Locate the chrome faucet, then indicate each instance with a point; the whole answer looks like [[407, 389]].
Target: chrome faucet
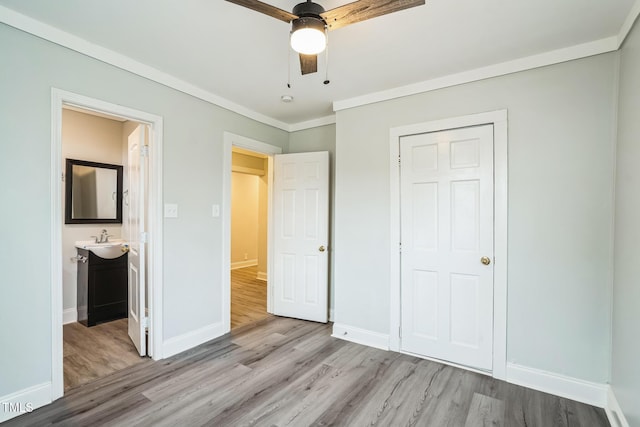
[[104, 237]]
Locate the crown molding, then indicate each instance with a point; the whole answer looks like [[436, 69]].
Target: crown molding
[[70, 41], [628, 23], [314, 123], [527, 63]]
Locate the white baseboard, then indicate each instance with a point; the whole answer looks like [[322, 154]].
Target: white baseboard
[[614, 411], [360, 336], [242, 264], [192, 339], [25, 400], [69, 315], [262, 276], [571, 388]]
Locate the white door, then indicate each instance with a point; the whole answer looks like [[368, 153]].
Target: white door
[[446, 204], [300, 228], [135, 199]]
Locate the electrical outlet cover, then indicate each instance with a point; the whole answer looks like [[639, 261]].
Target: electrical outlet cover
[[170, 210]]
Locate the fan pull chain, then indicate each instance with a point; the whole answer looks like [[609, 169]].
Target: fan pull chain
[[288, 66], [326, 58]]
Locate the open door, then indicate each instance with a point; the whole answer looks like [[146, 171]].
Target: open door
[[300, 235], [135, 202]]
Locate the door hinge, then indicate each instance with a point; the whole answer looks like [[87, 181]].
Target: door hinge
[[145, 322], [144, 152], [144, 237], [400, 331], [399, 160], [400, 247]]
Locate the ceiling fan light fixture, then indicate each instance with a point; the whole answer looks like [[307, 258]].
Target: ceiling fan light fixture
[[308, 36]]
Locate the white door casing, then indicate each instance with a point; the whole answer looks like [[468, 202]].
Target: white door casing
[[135, 205], [59, 99], [446, 205], [232, 140], [301, 218]]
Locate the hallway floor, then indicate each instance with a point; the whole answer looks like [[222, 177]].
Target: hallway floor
[[248, 297]]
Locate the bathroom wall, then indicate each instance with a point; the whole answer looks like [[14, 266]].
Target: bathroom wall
[[96, 139], [244, 219]]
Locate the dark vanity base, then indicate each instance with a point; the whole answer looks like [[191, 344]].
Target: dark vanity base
[[102, 288]]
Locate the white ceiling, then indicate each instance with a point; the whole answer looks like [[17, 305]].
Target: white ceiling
[[242, 55]]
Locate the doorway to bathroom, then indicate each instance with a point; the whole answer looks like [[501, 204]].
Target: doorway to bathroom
[[109, 278], [101, 260]]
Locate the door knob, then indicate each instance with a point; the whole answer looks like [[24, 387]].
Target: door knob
[[321, 248], [485, 260]]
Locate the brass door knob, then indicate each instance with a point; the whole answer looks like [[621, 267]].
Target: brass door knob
[[485, 260], [322, 248]]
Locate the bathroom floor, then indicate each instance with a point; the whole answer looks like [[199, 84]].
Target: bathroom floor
[[92, 353], [248, 297]]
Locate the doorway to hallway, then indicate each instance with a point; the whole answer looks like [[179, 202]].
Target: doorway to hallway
[[249, 249]]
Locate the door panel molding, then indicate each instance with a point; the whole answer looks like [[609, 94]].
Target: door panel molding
[[499, 120], [300, 237], [136, 225]]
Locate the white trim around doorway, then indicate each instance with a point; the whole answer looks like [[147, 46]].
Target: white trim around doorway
[[59, 99], [499, 121], [232, 140]]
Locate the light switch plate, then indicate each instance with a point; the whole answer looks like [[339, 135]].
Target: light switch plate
[[170, 210], [215, 211]]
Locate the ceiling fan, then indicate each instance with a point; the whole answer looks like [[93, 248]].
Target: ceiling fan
[[310, 22]]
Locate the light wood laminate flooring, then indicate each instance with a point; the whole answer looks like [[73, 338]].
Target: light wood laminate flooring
[[248, 297], [95, 352], [287, 372]]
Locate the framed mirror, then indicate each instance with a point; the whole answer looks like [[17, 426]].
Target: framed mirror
[[93, 193]]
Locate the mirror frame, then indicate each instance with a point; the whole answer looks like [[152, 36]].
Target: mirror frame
[[68, 210]]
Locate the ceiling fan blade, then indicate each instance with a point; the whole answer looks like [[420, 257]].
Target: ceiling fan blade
[[362, 10], [308, 64], [267, 9]]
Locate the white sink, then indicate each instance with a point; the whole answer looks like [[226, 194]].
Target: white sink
[[90, 244], [113, 249]]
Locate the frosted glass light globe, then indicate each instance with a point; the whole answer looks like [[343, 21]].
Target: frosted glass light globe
[[308, 41]]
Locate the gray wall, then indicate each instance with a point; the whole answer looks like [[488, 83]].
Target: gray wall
[[193, 135], [561, 127], [625, 375], [321, 138]]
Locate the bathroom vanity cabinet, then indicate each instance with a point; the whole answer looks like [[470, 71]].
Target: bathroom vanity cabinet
[[102, 288]]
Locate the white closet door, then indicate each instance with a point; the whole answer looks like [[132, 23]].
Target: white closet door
[[447, 245]]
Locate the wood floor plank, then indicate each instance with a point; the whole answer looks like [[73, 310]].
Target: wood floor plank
[[485, 411], [302, 397], [93, 352], [287, 372]]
